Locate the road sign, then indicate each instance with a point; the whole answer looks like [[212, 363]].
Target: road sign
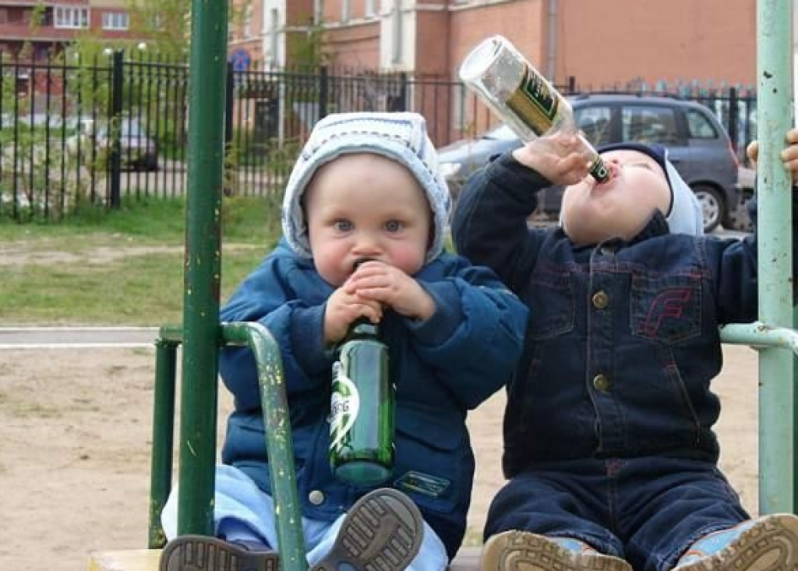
[[240, 59]]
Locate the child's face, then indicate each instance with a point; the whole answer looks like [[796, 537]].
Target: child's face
[[366, 206], [620, 208]]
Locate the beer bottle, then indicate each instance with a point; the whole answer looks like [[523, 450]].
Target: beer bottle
[[362, 408], [524, 100]]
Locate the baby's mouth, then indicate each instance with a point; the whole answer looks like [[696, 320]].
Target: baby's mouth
[[360, 261], [614, 171]]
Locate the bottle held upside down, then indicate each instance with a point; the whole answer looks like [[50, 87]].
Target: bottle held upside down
[[524, 100]]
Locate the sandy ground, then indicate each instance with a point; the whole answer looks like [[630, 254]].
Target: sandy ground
[[74, 454]]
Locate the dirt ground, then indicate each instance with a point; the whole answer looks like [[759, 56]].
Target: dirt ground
[[74, 454]]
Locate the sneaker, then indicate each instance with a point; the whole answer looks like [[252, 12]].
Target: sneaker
[[769, 543], [382, 531], [524, 551], [204, 553]]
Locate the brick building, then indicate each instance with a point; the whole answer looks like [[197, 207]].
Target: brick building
[[599, 42], [49, 25]]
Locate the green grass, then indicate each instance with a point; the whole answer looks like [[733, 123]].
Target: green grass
[[120, 268]]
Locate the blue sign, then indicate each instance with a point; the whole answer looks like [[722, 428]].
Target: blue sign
[[240, 59]]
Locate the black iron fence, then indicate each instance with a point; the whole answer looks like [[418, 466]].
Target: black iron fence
[[76, 133]]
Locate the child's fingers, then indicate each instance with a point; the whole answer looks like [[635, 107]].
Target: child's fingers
[[792, 167], [752, 150]]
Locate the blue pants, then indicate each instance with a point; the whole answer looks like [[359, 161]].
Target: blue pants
[[242, 511], [647, 511]]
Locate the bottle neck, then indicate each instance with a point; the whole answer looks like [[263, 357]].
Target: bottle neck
[[362, 327]]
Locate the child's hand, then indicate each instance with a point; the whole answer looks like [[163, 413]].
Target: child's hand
[[789, 155], [378, 282], [559, 158], [343, 307]]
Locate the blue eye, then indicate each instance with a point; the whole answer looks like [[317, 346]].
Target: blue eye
[[343, 225], [394, 225]]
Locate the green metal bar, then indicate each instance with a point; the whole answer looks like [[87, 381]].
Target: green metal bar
[[162, 436], [202, 265], [279, 443], [758, 335], [795, 420], [774, 92]]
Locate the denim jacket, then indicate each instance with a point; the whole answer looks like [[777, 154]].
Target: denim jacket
[[623, 337], [442, 368]]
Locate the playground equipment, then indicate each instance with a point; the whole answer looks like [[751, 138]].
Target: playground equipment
[[201, 330]]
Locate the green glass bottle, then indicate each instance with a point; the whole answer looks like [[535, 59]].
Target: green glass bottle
[[362, 408]]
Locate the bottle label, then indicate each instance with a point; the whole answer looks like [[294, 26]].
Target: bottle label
[[534, 103], [344, 407]]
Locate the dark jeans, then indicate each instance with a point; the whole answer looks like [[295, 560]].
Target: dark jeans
[[645, 510]]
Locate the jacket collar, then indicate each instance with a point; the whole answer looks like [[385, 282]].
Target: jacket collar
[[656, 226]]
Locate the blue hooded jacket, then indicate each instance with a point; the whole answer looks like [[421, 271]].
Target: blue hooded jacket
[[442, 368], [623, 336]]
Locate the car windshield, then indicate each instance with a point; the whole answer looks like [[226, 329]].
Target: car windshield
[[132, 129], [500, 133], [127, 129]]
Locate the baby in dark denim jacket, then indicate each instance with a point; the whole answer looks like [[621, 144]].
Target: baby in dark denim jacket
[[608, 441]]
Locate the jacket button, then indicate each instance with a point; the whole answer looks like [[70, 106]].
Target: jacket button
[[601, 383], [316, 497], [600, 300]]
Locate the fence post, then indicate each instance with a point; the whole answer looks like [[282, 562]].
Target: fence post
[[324, 91], [228, 129], [734, 118], [403, 91], [115, 127]]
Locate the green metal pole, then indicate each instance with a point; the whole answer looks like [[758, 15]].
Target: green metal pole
[[201, 331], [162, 436], [774, 73], [279, 443]]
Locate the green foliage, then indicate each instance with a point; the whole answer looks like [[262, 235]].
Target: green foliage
[[307, 51], [121, 267]]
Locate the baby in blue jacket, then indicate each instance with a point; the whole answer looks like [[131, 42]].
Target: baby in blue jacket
[[366, 187]]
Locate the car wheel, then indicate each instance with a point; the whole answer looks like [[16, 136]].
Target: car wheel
[[712, 206]]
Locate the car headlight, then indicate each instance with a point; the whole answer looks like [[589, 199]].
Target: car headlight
[[449, 170]]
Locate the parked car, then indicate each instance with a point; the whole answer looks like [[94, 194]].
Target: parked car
[[138, 150], [698, 145]]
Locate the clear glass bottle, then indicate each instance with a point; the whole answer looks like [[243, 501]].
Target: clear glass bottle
[[523, 99], [362, 408]]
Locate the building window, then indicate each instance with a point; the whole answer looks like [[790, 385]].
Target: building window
[[116, 21], [371, 9], [318, 11], [248, 22], [71, 17], [346, 10], [275, 28], [458, 106]]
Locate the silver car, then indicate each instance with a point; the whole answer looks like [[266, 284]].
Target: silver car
[[698, 146], [138, 151]]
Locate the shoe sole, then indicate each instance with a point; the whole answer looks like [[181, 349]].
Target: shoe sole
[[381, 532], [203, 553], [770, 545], [523, 551]]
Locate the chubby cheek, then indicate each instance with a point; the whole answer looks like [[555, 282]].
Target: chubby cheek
[[407, 257], [330, 261]]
